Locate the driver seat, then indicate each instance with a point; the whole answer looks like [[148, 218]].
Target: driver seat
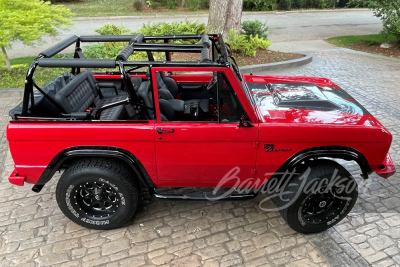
[[168, 90]]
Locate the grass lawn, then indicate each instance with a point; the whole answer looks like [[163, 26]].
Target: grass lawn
[[367, 43], [16, 78], [360, 39], [101, 8]]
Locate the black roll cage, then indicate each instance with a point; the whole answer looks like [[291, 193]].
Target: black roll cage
[[219, 51]]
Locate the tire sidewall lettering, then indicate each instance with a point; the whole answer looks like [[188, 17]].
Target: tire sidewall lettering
[[68, 196]]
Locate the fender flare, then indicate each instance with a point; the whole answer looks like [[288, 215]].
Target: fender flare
[[77, 152], [337, 152]]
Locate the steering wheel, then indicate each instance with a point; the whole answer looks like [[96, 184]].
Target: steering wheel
[[213, 82]]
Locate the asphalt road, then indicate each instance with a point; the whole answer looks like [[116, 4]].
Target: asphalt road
[[283, 27]]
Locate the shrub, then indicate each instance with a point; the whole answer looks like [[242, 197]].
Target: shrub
[[259, 5], [297, 4], [108, 49], [357, 3], [137, 5], [204, 4], [329, 3], [284, 4], [255, 27], [171, 4], [155, 5], [163, 28], [192, 4], [241, 44], [110, 29]]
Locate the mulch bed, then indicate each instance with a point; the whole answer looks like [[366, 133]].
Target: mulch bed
[[263, 56], [390, 52]]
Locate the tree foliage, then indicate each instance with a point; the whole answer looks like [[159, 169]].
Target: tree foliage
[[29, 21]]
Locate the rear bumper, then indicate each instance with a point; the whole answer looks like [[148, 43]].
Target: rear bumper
[[388, 168], [16, 179]]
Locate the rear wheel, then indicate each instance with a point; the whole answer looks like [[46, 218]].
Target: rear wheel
[[318, 198], [98, 194]]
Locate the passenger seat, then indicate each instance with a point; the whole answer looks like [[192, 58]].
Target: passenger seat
[[168, 90], [145, 93], [82, 94]]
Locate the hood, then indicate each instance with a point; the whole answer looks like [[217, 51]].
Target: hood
[[307, 103]]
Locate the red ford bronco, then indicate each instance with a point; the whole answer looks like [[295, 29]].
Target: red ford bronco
[[189, 130]]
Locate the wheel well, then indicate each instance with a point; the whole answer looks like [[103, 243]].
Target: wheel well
[[68, 156], [70, 161], [327, 152]]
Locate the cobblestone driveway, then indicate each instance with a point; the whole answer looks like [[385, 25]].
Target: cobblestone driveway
[[35, 233]]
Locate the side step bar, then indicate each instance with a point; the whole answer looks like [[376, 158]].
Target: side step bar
[[199, 194], [232, 197]]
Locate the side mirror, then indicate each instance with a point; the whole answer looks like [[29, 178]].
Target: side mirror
[[245, 123]]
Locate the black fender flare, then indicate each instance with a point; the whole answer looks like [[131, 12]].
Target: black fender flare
[[337, 152], [77, 152]]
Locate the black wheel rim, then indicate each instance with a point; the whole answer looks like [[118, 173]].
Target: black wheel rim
[[96, 200], [323, 207]]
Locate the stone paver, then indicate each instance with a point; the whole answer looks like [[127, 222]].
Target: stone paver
[[371, 233], [34, 232]]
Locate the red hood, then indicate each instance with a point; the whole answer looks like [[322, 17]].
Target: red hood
[[305, 100]]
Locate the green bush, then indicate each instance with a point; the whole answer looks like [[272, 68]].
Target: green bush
[[110, 29], [284, 4], [163, 28], [137, 5], [268, 5], [297, 4], [192, 4], [357, 3], [155, 5], [171, 4], [243, 45], [204, 4], [108, 49], [255, 27], [259, 5]]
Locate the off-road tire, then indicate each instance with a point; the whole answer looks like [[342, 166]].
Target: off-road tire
[[90, 180], [294, 214]]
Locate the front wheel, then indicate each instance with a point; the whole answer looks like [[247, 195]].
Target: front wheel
[[318, 198], [98, 194]]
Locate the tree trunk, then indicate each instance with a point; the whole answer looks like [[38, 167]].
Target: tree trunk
[[183, 3], [225, 15], [7, 59]]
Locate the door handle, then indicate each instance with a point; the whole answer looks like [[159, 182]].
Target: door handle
[[160, 131]]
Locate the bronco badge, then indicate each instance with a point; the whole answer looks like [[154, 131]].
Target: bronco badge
[[271, 148]]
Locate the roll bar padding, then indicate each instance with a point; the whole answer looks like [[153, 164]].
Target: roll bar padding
[[49, 52], [205, 52], [76, 63], [125, 53], [137, 39]]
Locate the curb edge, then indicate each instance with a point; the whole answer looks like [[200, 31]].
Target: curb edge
[[278, 65]]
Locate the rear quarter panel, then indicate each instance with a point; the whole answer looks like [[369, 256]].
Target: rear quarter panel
[[34, 145]]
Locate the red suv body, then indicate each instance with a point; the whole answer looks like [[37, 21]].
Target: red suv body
[[284, 122]]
